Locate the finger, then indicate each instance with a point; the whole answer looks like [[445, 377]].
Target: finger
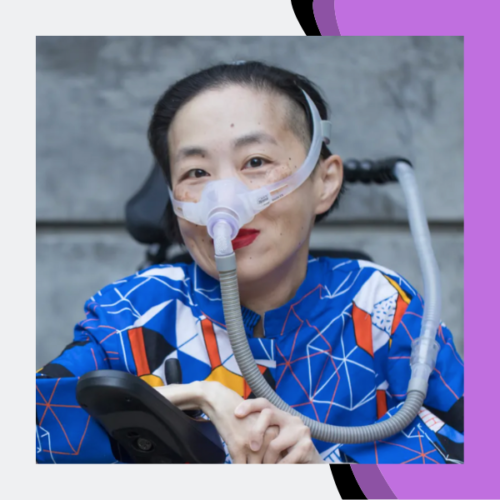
[[296, 455], [257, 457], [256, 435], [239, 458], [272, 433], [285, 440], [252, 406], [304, 452]]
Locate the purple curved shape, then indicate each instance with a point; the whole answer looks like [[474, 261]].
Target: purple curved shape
[[324, 13], [477, 477], [371, 481]]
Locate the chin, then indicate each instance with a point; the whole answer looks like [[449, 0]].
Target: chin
[[252, 266]]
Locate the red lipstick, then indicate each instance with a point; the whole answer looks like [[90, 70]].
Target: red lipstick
[[244, 238]]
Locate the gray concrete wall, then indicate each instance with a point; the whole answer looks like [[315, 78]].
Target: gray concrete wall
[[94, 98]]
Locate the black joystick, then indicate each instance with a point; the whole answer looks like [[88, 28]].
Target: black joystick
[[144, 426]]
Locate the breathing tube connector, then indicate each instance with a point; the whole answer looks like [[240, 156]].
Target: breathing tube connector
[[424, 349]]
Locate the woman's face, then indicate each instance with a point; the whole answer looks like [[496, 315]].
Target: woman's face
[[241, 132]]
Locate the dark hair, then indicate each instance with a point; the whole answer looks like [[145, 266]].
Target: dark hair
[[251, 74]]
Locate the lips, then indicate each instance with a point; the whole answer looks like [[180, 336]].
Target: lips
[[244, 238]]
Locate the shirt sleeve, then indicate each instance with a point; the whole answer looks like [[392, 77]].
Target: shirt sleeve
[[437, 433], [65, 433]]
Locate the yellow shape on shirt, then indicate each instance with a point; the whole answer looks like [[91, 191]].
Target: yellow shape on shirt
[[228, 379]]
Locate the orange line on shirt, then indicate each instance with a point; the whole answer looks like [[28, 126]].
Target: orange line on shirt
[[59, 452], [440, 332], [414, 314], [48, 402], [300, 384], [319, 378], [294, 340], [300, 404], [44, 413], [281, 376], [95, 361], [62, 427], [421, 447], [87, 320], [81, 440], [40, 392], [442, 379], [58, 406], [400, 445], [213, 320], [422, 456], [53, 390], [105, 338], [298, 302], [404, 326], [454, 354], [211, 342], [317, 353], [136, 338], [335, 390], [321, 335]]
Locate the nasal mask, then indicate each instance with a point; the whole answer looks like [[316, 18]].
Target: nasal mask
[[228, 204]]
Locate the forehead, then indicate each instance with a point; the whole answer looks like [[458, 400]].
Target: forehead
[[220, 115]]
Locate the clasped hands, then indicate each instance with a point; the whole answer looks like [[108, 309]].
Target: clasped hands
[[254, 430]]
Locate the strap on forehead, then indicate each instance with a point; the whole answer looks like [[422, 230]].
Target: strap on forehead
[[326, 126]]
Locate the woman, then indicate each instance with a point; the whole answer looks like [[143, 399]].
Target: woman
[[333, 337]]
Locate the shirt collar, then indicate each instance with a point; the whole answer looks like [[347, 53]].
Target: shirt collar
[[277, 322], [208, 297]]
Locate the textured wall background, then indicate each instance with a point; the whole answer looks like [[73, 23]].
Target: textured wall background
[[95, 95]]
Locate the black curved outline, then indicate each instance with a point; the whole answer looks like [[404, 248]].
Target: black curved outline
[[303, 10], [346, 482]]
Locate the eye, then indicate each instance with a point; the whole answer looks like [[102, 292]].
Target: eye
[[256, 162], [196, 173]]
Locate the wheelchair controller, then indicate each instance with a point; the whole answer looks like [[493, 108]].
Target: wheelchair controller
[[143, 426]]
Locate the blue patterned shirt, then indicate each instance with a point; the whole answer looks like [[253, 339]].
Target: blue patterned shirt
[[338, 352]]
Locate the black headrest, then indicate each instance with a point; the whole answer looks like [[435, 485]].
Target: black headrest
[[144, 211]]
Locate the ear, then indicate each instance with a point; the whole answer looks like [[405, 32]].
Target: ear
[[329, 175]]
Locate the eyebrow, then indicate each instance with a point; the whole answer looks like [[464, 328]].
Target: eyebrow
[[254, 138], [245, 140], [189, 152]]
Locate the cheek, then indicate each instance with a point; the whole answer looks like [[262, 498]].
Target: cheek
[[182, 193], [192, 232], [288, 219], [199, 245], [195, 237], [278, 173]]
